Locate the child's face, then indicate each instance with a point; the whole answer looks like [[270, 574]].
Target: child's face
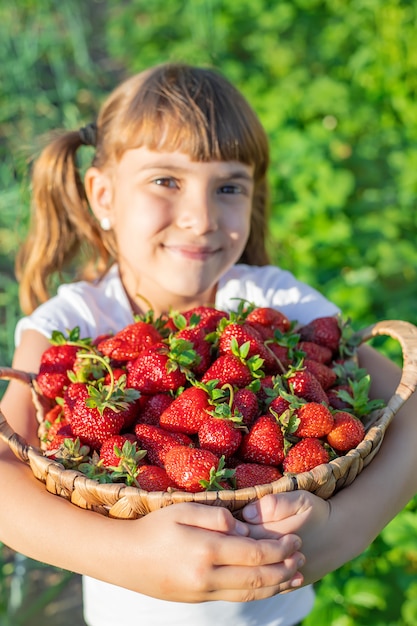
[[179, 224]]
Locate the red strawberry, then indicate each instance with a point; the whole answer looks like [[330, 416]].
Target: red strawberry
[[264, 443], [154, 478], [325, 375], [111, 450], [251, 474], [129, 342], [188, 467], [305, 385], [220, 436], [131, 411], [121, 457], [245, 402], [54, 415], [279, 405], [55, 363], [324, 331], [117, 373], [58, 360], [205, 317], [202, 347], [316, 420], [101, 414], [60, 355], [265, 385], [157, 441], [57, 434], [92, 426], [53, 423], [236, 335], [154, 371], [267, 320], [305, 455], [315, 351], [97, 340], [152, 407], [72, 392], [282, 357], [347, 432], [335, 401], [228, 369], [188, 411], [51, 383]]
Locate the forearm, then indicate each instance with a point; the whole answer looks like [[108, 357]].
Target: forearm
[[48, 528], [390, 480]]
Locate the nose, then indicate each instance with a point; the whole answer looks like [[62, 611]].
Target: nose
[[198, 212]]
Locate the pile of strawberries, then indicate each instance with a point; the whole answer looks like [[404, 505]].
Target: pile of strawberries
[[204, 399]]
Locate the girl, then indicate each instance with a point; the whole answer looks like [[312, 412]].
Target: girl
[[177, 191]]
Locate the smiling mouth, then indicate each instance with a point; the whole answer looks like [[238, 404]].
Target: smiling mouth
[[193, 252]]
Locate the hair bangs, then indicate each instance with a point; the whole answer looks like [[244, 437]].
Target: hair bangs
[[194, 111]]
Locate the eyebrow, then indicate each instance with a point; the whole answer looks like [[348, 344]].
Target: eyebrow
[[241, 174]]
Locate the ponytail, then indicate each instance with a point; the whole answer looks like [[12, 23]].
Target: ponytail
[[63, 229]]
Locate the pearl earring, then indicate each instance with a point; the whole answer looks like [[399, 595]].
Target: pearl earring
[[105, 223]]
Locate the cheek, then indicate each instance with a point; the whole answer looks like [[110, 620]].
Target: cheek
[[136, 223], [238, 226]]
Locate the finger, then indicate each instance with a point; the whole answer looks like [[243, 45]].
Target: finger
[[275, 530], [252, 553], [277, 507], [272, 530], [257, 583], [215, 518]]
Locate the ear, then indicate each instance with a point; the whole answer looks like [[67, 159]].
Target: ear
[[99, 190]]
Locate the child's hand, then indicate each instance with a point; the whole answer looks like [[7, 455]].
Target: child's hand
[[196, 553], [297, 512], [292, 512]]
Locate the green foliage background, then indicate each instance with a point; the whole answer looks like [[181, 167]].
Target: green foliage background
[[335, 84]]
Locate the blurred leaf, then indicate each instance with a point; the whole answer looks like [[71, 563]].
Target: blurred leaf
[[370, 595], [401, 534]]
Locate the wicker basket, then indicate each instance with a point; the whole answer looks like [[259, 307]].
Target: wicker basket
[[121, 501]]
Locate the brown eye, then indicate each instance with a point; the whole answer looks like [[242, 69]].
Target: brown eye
[[166, 181]]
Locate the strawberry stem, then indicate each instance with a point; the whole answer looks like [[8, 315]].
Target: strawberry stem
[[106, 365], [231, 393]]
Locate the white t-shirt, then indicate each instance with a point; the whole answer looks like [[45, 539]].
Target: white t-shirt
[[103, 307]]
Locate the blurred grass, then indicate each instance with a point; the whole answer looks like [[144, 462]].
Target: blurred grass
[[49, 79]]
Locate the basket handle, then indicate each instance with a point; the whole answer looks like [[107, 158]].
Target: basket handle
[[406, 335], [16, 443], [8, 373]]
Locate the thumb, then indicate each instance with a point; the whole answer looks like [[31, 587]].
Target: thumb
[[275, 507], [215, 518]]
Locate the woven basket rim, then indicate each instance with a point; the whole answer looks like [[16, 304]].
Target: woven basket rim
[[377, 427]]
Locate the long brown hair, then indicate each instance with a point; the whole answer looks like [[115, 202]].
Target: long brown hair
[[168, 107]]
